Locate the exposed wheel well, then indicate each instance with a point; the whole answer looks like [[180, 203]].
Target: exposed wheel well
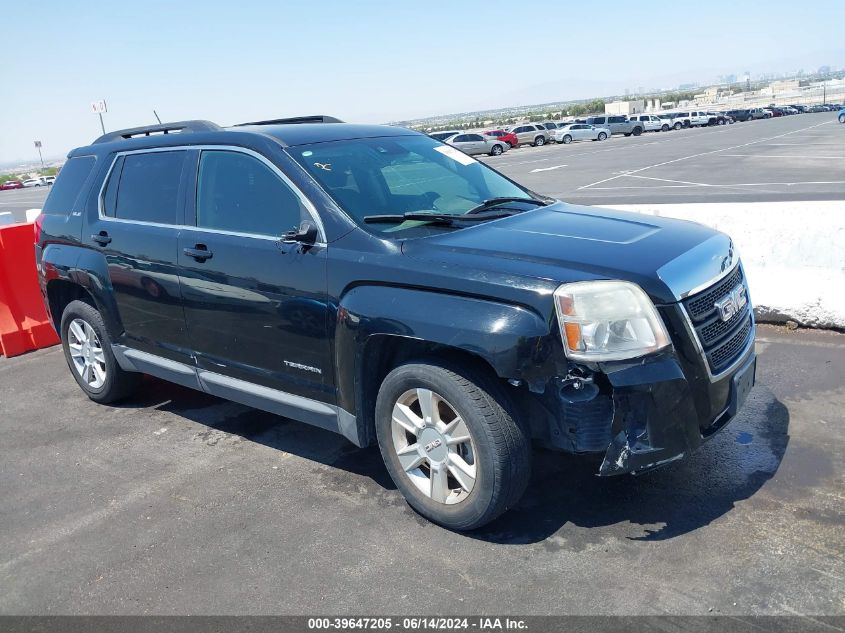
[[383, 353], [60, 293]]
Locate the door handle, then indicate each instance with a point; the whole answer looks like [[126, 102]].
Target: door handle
[[199, 252], [102, 238]]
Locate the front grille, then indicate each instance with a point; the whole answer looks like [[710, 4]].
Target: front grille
[[721, 341], [723, 355], [703, 304]]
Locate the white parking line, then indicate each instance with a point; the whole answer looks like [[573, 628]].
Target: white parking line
[[534, 171], [802, 156], [715, 151], [725, 186]]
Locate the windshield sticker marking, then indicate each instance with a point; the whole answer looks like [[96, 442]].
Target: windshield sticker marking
[[324, 166], [455, 155]]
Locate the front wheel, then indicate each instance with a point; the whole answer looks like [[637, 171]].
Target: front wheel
[[678, 125], [496, 150], [88, 353], [637, 131], [842, 118], [664, 127], [567, 139], [450, 444], [602, 136], [539, 141]]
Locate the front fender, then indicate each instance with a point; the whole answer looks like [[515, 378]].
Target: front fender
[[513, 340]]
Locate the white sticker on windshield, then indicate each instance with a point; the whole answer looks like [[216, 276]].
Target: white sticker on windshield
[[455, 154]]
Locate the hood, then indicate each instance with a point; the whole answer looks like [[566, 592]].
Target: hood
[[670, 259]]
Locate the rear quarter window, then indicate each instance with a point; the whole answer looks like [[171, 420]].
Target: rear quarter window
[[69, 185]]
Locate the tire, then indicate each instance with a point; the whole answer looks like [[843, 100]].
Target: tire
[[85, 339], [842, 118], [664, 127], [677, 125], [602, 136], [637, 131], [496, 150], [539, 141], [627, 134], [496, 448], [567, 139]]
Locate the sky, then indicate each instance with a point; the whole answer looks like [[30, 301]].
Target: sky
[[371, 61]]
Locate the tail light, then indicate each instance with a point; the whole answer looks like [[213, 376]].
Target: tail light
[[37, 224]]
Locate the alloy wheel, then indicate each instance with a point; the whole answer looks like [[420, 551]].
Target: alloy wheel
[[87, 354], [434, 446]]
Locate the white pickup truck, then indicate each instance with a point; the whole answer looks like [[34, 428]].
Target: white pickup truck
[[651, 122]]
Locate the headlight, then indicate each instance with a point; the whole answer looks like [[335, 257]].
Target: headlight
[[608, 320]]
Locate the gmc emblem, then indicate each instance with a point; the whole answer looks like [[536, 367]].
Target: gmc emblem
[[733, 303]]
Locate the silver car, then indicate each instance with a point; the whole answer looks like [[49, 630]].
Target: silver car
[[528, 133], [581, 132], [472, 143]]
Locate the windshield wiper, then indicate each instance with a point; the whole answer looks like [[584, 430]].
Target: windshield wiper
[[493, 202], [447, 219]]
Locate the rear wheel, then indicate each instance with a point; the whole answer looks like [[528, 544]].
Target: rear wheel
[[664, 127], [677, 125], [637, 131], [539, 141], [88, 353], [496, 150], [567, 139], [450, 443], [842, 118], [602, 136]]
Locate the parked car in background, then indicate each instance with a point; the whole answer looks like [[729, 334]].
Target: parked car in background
[[442, 136], [617, 124], [11, 184], [474, 143], [651, 123], [720, 118], [580, 132], [740, 115], [530, 133], [49, 179], [508, 137], [776, 112], [34, 182], [760, 113]]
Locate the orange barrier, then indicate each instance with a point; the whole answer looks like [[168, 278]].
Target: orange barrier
[[24, 325]]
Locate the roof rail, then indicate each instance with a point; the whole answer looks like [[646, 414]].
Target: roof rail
[[312, 118], [161, 128]]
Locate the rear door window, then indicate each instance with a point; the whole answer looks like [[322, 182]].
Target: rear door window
[[69, 184], [148, 188]]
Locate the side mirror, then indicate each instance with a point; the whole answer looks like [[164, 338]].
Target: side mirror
[[305, 234]]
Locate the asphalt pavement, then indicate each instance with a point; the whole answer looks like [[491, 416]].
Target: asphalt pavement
[[179, 503]]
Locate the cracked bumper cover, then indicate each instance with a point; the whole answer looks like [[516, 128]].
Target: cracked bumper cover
[[660, 415]]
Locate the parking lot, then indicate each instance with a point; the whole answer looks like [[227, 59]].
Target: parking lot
[[176, 502], [787, 158], [797, 157]]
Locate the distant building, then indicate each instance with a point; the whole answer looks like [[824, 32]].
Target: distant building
[[624, 107]]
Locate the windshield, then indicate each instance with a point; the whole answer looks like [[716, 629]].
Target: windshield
[[402, 174]]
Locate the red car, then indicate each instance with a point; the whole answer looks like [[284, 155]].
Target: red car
[[11, 184], [508, 137]]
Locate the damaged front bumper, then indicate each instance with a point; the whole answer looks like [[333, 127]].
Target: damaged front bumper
[[661, 415], [647, 412]]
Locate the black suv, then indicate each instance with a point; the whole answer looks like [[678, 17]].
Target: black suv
[[373, 281]]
